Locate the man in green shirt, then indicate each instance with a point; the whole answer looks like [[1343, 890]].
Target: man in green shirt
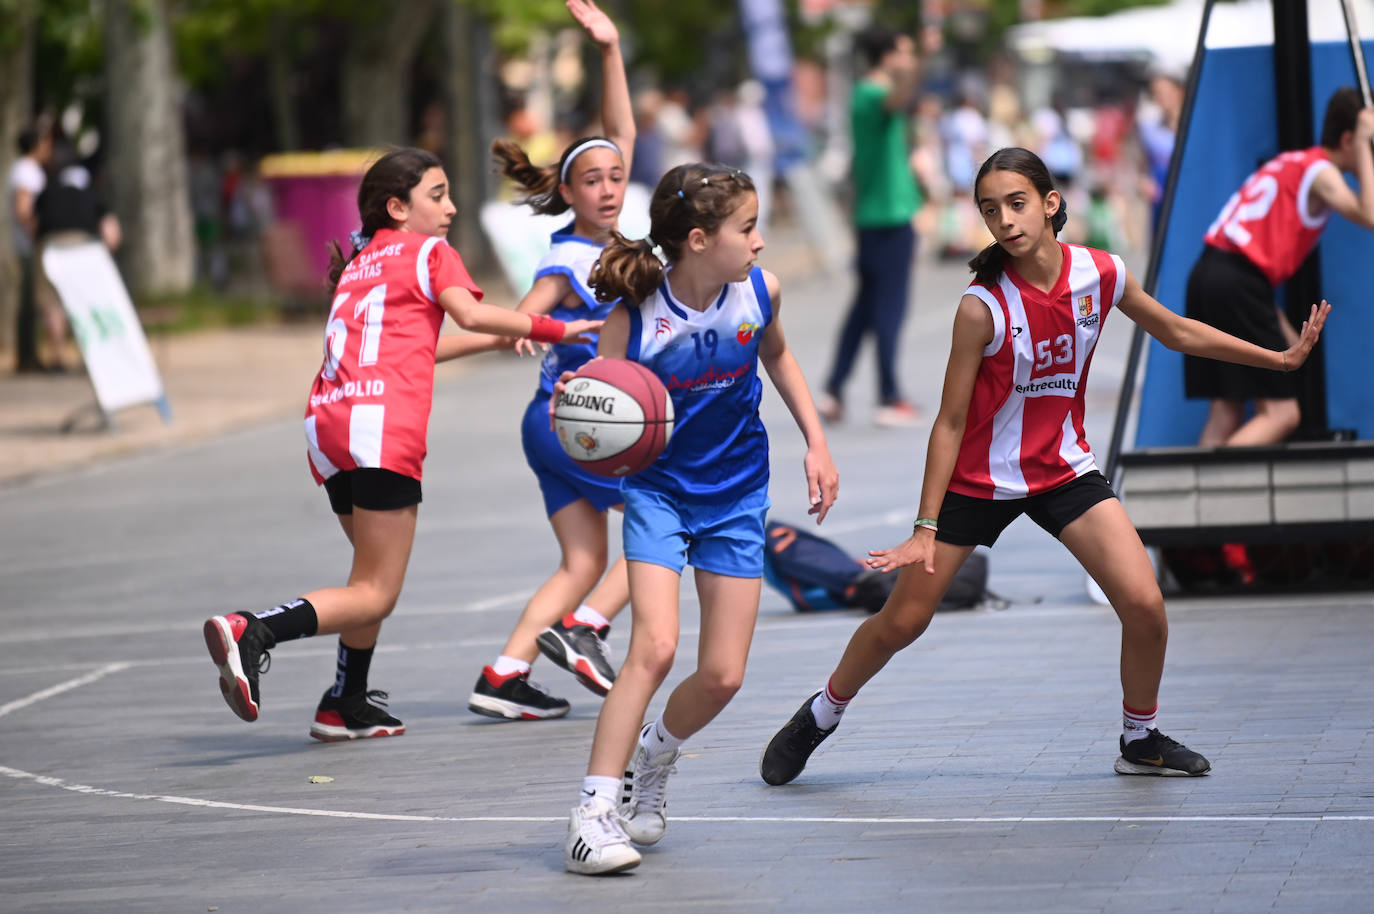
[[885, 200]]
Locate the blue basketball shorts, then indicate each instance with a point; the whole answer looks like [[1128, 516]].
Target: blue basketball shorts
[[561, 480], [723, 538]]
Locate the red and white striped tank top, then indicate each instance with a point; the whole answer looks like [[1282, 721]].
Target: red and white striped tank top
[[1024, 431], [1268, 219]]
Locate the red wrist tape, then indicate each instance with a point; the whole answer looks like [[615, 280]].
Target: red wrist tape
[[544, 329]]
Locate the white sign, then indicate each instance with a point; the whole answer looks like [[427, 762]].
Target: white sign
[[106, 326]]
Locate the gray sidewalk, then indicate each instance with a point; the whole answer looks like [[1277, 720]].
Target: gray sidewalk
[[973, 775]]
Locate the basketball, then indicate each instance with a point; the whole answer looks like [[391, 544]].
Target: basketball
[[614, 417]]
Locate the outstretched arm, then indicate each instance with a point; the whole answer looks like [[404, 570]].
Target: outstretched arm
[[1186, 335], [617, 114], [973, 331], [822, 479]]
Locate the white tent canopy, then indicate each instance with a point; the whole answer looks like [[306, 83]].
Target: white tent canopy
[[1167, 35]]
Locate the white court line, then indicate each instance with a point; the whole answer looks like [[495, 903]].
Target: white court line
[[87, 789], [61, 687]]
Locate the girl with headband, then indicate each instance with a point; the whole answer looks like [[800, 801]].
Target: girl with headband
[[569, 616]]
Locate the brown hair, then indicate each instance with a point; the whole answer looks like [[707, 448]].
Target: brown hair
[[1342, 110], [540, 184], [393, 175], [696, 196], [987, 265]]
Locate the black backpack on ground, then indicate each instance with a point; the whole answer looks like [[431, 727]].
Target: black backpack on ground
[[815, 574]]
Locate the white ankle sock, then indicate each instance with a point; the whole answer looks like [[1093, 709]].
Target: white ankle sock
[[590, 617], [504, 666], [1136, 724], [596, 786], [656, 738], [828, 707]]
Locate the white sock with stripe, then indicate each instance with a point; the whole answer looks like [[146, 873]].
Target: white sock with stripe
[[1136, 724], [594, 786], [828, 707]]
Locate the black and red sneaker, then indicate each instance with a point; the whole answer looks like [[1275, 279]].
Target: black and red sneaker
[[513, 697], [581, 649], [239, 644], [354, 717]]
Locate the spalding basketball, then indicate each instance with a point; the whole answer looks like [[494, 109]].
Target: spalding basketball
[[614, 417]]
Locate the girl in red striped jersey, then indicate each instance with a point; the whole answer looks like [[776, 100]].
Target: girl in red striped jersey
[[365, 425], [1009, 440]]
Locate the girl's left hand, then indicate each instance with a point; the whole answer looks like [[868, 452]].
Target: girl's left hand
[[822, 482], [597, 24], [1311, 330]]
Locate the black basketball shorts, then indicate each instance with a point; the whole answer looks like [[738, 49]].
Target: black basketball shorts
[[371, 489], [968, 521]]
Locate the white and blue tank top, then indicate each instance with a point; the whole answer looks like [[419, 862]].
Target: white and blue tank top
[[573, 256], [708, 361]]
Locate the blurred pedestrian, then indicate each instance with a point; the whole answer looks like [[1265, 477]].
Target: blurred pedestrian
[[69, 211], [886, 200], [27, 178]]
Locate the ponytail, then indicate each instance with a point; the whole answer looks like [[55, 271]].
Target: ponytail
[[627, 270], [540, 184]]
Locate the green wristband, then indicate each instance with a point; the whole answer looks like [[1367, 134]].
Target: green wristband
[[930, 522]]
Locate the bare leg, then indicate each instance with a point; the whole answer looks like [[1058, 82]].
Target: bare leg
[[1274, 421], [581, 533], [901, 621], [1109, 549], [1223, 418], [381, 550], [653, 642], [729, 608]]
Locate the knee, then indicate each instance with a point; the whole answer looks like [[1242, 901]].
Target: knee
[[897, 626], [379, 600], [585, 566], [1143, 617], [653, 656], [720, 686]]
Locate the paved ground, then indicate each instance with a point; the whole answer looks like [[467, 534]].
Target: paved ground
[[973, 775]]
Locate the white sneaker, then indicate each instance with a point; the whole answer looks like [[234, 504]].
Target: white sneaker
[[644, 796], [597, 844]]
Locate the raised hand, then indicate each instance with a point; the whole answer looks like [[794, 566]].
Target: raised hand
[[597, 24], [1296, 354]]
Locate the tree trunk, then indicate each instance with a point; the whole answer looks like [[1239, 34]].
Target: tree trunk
[[470, 118], [286, 131], [375, 73], [16, 103], [147, 148]]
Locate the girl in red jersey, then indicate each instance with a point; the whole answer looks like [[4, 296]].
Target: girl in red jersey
[[1009, 440], [365, 424]]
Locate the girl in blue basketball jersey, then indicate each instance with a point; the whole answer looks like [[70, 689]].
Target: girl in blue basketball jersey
[[702, 324], [568, 617]]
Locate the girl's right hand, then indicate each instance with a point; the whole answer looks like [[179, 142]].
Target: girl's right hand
[[1307, 337], [597, 24], [581, 331], [562, 383], [918, 550]]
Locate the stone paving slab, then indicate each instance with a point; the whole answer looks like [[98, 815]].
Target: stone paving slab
[[973, 775]]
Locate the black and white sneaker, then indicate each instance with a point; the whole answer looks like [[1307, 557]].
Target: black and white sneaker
[[513, 697], [354, 717], [787, 752], [581, 649], [1161, 756], [239, 644], [597, 844]]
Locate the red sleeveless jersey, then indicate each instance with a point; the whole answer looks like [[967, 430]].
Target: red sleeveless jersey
[[369, 405], [1267, 220], [1024, 431]]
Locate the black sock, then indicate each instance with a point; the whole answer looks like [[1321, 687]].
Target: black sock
[[291, 620], [351, 675]]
